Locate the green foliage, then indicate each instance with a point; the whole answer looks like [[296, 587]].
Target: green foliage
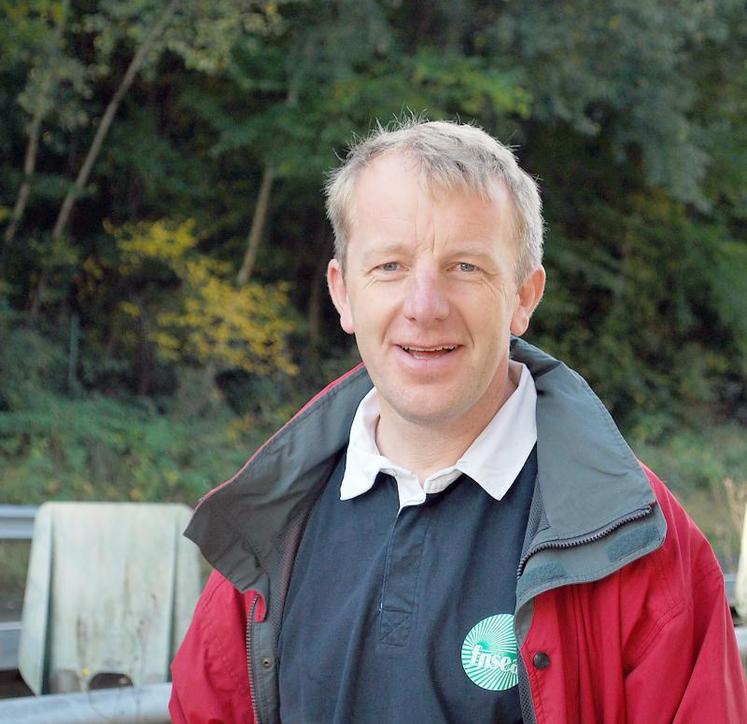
[[26, 25], [96, 447], [203, 34], [730, 290], [102, 449], [446, 84], [29, 364], [623, 69], [131, 364]]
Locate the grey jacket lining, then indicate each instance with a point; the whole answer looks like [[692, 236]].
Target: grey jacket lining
[[588, 478]]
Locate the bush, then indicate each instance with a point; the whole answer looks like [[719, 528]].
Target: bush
[[101, 449]]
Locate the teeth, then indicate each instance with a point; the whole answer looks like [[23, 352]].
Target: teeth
[[429, 349]]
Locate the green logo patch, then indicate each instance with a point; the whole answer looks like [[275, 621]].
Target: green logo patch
[[490, 653]]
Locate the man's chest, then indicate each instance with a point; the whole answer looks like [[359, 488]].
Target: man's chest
[[405, 615]]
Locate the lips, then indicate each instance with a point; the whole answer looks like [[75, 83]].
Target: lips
[[420, 352]]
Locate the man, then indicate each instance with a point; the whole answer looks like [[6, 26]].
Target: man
[[470, 538]]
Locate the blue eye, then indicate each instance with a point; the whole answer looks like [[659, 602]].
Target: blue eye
[[389, 266], [464, 266]]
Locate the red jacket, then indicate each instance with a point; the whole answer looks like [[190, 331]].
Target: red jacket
[[621, 613]]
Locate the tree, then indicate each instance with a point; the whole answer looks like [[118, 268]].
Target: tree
[[199, 317], [40, 42], [102, 129]]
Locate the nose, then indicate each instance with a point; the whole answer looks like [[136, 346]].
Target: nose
[[425, 300]]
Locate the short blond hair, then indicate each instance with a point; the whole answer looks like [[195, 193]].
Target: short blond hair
[[450, 156]]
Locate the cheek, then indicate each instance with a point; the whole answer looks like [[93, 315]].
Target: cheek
[[486, 313], [376, 314]]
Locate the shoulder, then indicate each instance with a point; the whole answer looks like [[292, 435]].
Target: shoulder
[[688, 632], [686, 553], [679, 587]]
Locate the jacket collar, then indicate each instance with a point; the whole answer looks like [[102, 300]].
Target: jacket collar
[[493, 460], [588, 479]]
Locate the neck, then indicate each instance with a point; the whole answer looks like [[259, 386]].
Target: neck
[[425, 448]]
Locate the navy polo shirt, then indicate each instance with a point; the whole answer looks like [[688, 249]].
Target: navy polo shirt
[[405, 615]]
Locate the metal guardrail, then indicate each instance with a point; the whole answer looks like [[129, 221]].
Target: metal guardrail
[[730, 584], [145, 705], [17, 522], [126, 705], [741, 634]]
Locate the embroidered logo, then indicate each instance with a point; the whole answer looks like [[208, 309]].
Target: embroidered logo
[[490, 653]]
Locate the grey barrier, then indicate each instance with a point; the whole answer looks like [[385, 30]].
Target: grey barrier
[[127, 705]]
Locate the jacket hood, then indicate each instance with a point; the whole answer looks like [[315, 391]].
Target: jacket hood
[[588, 479]]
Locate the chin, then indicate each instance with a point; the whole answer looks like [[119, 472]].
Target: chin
[[425, 415]]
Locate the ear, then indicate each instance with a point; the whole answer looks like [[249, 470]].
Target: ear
[[339, 293], [528, 297]]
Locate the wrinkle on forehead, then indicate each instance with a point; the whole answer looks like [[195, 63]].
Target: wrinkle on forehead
[[397, 167]]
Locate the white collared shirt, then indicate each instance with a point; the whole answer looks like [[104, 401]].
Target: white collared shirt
[[493, 460]]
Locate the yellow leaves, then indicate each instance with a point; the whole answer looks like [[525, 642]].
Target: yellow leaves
[[239, 428], [242, 328], [169, 346], [158, 241], [130, 309], [207, 319], [57, 12]]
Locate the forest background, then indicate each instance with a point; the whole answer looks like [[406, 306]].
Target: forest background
[[162, 296]]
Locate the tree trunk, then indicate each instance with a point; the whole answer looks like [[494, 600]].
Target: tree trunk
[[73, 385], [32, 147], [29, 164], [257, 228], [316, 294], [106, 120], [263, 198]]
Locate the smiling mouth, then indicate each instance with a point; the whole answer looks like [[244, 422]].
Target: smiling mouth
[[427, 352]]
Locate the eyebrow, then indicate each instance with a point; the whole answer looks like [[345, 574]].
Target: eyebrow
[[385, 250], [470, 249]]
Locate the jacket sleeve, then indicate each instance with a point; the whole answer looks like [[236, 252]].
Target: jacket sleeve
[[690, 669], [209, 672]]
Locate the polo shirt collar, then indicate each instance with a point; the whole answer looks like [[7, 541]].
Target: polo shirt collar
[[493, 460]]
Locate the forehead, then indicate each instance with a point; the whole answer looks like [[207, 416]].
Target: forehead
[[393, 192], [378, 177]]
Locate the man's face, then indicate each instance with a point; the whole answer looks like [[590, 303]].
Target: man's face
[[429, 291]]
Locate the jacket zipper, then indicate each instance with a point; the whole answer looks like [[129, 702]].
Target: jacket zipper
[[583, 540], [249, 626]]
